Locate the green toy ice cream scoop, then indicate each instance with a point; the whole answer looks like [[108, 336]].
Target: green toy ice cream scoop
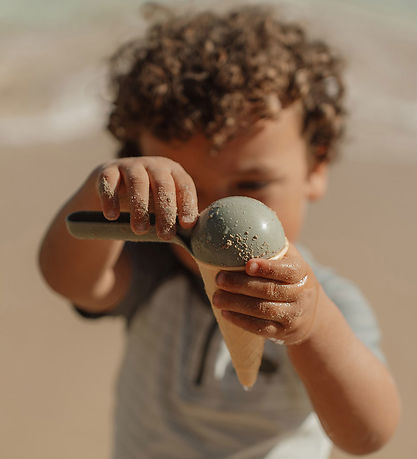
[[233, 230], [228, 232]]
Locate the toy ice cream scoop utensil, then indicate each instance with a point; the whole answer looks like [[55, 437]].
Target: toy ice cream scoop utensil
[[228, 233]]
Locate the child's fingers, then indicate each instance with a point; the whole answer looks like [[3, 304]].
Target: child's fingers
[[136, 182], [278, 312], [291, 269], [165, 202], [263, 327], [107, 184], [186, 198], [240, 282]]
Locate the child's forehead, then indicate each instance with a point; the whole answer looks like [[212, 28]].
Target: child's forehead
[[248, 150]]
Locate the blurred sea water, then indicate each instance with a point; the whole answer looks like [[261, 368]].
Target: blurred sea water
[[50, 12], [52, 81]]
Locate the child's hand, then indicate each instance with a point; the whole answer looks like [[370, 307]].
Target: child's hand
[[274, 299], [141, 184]]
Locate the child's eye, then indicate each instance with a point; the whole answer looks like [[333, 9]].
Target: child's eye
[[252, 185]]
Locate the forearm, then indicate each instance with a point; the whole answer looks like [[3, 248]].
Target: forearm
[[351, 390], [83, 271]]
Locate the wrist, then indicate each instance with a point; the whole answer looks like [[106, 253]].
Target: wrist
[[321, 321]]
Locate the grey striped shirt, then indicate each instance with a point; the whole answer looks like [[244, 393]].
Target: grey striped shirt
[[177, 395]]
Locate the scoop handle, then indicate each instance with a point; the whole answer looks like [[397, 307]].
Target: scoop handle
[[93, 225]]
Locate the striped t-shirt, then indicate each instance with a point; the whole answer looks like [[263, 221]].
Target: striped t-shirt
[[177, 395]]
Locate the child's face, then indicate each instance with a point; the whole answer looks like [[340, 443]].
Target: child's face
[[269, 164]]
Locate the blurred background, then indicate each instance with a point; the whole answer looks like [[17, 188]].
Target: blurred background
[[58, 370]]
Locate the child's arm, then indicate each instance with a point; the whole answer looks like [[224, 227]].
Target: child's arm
[[351, 390], [95, 274]]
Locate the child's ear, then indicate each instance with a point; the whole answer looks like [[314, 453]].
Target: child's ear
[[317, 181]]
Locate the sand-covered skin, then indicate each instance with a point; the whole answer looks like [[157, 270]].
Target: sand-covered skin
[[166, 213], [105, 189], [189, 207]]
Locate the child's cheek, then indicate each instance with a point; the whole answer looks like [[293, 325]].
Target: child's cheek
[[291, 213]]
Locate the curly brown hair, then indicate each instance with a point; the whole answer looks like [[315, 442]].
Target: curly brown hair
[[218, 73]]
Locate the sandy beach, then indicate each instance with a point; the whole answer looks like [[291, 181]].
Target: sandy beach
[[58, 370]]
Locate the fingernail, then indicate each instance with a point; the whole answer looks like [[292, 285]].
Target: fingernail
[[189, 218], [111, 214], [253, 267], [221, 278], [167, 234], [281, 342], [141, 226]]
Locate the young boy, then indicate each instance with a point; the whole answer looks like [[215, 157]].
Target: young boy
[[208, 106]]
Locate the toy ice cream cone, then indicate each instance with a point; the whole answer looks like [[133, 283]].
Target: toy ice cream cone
[[229, 233], [245, 348]]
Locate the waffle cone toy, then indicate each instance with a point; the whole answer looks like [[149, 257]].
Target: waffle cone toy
[[245, 348]]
